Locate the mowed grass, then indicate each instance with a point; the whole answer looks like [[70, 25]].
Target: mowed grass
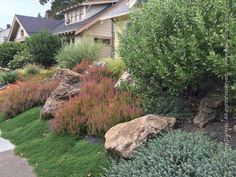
[[53, 155]]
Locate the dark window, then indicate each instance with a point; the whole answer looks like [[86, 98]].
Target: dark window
[[22, 33], [103, 41]]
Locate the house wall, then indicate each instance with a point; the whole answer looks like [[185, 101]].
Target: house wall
[[102, 30], [19, 37], [4, 35], [84, 12], [120, 25]]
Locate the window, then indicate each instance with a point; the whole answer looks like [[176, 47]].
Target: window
[[22, 33], [103, 41]]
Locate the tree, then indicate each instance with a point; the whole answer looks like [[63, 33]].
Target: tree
[[58, 5]]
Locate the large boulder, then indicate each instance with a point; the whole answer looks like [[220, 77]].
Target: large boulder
[[210, 109], [124, 138], [66, 76], [68, 87], [125, 78]]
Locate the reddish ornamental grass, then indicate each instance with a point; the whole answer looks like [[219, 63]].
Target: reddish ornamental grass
[[25, 95], [97, 107], [82, 67]]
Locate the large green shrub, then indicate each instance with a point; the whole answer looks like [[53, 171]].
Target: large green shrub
[[178, 154], [71, 55], [44, 47], [7, 52], [173, 45], [21, 59]]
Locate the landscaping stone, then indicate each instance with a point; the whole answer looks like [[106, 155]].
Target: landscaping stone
[[234, 128], [66, 76], [124, 138], [4, 69], [125, 78], [68, 87], [210, 109]]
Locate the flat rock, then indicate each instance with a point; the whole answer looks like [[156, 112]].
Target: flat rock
[[124, 138]]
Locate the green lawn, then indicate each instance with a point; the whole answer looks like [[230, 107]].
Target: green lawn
[[50, 154]]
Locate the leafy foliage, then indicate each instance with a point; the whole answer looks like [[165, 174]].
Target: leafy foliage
[[179, 154], [97, 107], [26, 95], [180, 44], [7, 52], [43, 47], [8, 77], [71, 55], [21, 59], [117, 66]]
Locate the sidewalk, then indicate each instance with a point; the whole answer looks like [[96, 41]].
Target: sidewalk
[[12, 165]]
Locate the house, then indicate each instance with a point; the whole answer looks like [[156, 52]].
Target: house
[[84, 19], [25, 26], [119, 14], [4, 34]]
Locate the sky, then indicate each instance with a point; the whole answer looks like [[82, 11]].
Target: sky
[[8, 8]]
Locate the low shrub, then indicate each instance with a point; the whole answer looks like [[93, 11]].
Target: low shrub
[[26, 95], [97, 107], [7, 52], [43, 47], [178, 154], [71, 55], [21, 59], [32, 69], [117, 66], [82, 67], [8, 77]]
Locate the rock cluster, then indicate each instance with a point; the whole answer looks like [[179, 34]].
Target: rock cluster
[[68, 87]]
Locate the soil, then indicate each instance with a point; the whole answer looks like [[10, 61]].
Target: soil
[[214, 130]]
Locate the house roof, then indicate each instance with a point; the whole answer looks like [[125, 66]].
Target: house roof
[[63, 28], [119, 9], [88, 2], [34, 25]]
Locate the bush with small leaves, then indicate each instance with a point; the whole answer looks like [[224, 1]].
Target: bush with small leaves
[[21, 59], [178, 154], [44, 47], [172, 45], [7, 52]]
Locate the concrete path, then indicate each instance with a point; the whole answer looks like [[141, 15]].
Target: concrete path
[[12, 165]]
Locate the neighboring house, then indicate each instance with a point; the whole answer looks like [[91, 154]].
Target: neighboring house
[[84, 19], [25, 26], [119, 14], [4, 34]]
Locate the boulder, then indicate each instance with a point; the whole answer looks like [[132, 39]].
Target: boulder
[[124, 138], [4, 69], [68, 87], [125, 78], [66, 76], [234, 128], [210, 109]]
